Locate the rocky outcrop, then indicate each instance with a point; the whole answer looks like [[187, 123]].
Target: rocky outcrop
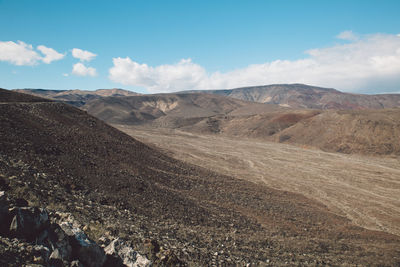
[[28, 222], [40, 239], [86, 250], [120, 254], [4, 217]]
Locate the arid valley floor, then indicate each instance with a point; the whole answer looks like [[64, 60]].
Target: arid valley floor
[[365, 189]]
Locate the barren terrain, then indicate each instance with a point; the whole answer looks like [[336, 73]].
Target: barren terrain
[[60, 158], [350, 126], [369, 132], [364, 189]]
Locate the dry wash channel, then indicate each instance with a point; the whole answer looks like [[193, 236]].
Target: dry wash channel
[[364, 189]]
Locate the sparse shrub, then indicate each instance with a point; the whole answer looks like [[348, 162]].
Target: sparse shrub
[[284, 138]]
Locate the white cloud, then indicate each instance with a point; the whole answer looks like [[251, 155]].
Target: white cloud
[[22, 54], [372, 62], [83, 55], [81, 70], [182, 75], [19, 53], [50, 54], [347, 35], [65, 74]]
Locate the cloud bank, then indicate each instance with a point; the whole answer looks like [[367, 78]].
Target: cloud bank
[[81, 70], [362, 63], [83, 55], [22, 54], [165, 78]]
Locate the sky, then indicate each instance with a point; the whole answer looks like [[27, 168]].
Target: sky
[[165, 46]]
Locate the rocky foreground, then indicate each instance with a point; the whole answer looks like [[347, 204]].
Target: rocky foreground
[[36, 237]]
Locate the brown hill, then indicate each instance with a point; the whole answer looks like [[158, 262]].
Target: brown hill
[[305, 96], [170, 110], [9, 97], [57, 156], [261, 126], [366, 132], [357, 131], [373, 132], [76, 97]]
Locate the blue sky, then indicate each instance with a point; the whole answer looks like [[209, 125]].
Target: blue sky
[[161, 46]]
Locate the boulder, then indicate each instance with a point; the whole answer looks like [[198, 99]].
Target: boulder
[[56, 259], [5, 217], [28, 222], [20, 202], [3, 198], [76, 263], [84, 249], [40, 251], [120, 254], [58, 239]]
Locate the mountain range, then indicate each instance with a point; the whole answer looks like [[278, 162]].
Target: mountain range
[[305, 96], [298, 96], [346, 131], [297, 114]]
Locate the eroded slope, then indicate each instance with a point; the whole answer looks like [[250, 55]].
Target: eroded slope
[[306, 96]]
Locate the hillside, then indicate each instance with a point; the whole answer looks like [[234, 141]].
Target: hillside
[[373, 132], [76, 97], [305, 96], [170, 110], [7, 96], [366, 131], [352, 131], [261, 126], [59, 157], [297, 96]]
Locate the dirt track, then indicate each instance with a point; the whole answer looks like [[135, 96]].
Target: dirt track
[[365, 189]]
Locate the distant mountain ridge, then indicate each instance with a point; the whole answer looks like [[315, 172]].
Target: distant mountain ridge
[[297, 96], [76, 97], [170, 110], [296, 114], [306, 96]]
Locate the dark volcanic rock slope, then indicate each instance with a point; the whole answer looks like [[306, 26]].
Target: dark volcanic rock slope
[[59, 157], [75, 97]]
